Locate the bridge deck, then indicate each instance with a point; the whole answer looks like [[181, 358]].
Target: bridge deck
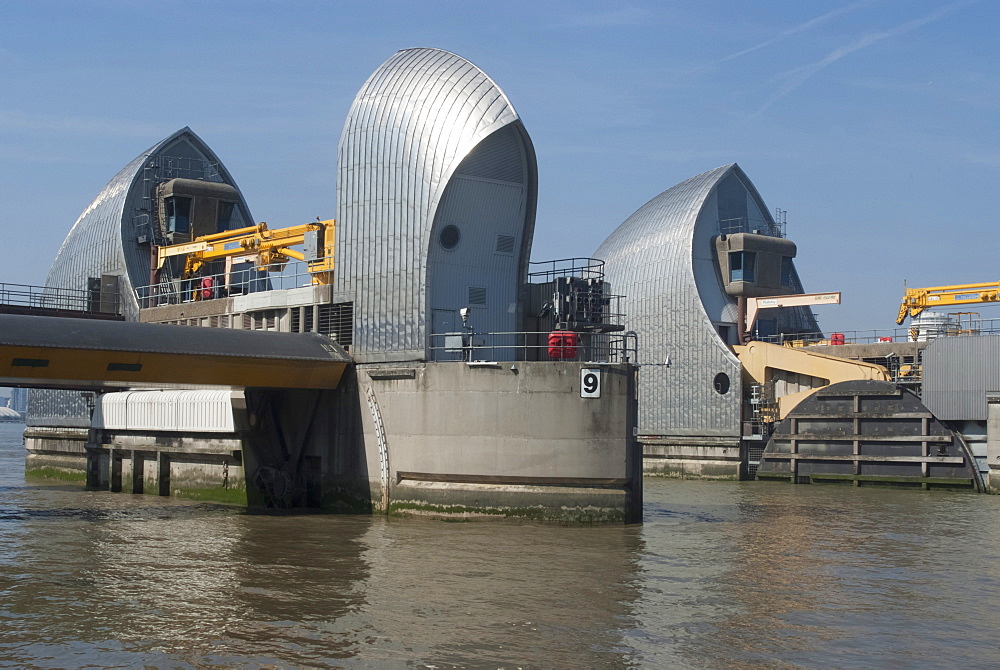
[[54, 352]]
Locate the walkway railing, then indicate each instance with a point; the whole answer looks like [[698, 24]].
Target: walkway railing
[[534, 346], [242, 279], [540, 272], [63, 299], [914, 333]]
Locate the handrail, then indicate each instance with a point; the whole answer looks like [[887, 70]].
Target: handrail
[[50, 297], [512, 346]]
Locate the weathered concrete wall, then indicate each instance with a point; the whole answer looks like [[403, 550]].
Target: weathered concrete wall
[[208, 465], [466, 440], [442, 439], [691, 458], [64, 449]]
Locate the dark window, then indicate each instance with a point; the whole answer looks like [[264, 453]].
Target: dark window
[[178, 215], [124, 367], [721, 383], [225, 214], [741, 265], [724, 333], [450, 236], [29, 363], [786, 271], [732, 202]]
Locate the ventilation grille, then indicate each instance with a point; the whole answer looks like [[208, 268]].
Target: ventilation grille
[[477, 295], [337, 321], [505, 244]]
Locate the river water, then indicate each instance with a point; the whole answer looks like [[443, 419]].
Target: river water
[[719, 575]]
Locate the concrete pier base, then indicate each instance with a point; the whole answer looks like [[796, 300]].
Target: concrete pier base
[[691, 457], [488, 440]]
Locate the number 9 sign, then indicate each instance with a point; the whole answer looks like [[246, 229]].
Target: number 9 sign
[[590, 383]]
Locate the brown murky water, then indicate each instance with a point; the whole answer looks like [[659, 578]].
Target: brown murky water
[[720, 575]]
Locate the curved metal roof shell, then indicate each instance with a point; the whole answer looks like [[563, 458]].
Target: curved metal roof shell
[[104, 239], [421, 117], [660, 258]]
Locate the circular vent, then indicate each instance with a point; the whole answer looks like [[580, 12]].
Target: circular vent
[[721, 383], [450, 236]]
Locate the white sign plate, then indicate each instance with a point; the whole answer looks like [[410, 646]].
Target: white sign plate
[[590, 383]]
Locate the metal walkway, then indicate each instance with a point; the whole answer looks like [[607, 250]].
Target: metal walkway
[[66, 353], [102, 301]]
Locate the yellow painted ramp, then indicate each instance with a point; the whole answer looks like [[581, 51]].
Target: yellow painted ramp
[[53, 352]]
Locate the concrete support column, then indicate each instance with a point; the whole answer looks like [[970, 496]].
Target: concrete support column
[[115, 470], [138, 472], [993, 442], [93, 467], [163, 476]]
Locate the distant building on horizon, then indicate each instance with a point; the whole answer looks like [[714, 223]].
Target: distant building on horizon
[[19, 400]]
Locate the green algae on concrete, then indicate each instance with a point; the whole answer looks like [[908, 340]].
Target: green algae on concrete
[[234, 495], [561, 515], [60, 474]]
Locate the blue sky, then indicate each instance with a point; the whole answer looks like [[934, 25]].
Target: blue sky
[[873, 122]]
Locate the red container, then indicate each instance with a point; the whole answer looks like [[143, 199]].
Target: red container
[[836, 338], [563, 344], [207, 288]]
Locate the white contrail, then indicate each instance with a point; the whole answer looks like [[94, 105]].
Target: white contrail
[[799, 75], [798, 29]]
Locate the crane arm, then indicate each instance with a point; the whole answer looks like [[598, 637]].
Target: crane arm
[[916, 300], [754, 305], [269, 248]]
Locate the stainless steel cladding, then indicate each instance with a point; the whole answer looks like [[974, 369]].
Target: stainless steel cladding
[[112, 234], [662, 260], [112, 237], [436, 191], [958, 373]]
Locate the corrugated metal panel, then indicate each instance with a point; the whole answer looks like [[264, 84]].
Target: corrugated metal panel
[[111, 411], [660, 259], [181, 411], [151, 411], [498, 157], [958, 373], [104, 241], [408, 131]]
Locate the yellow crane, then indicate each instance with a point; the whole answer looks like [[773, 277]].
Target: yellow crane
[[917, 300], [269, 249]]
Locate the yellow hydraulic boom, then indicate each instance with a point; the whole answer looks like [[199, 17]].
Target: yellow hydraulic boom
[[917, 300], [269, 249]]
